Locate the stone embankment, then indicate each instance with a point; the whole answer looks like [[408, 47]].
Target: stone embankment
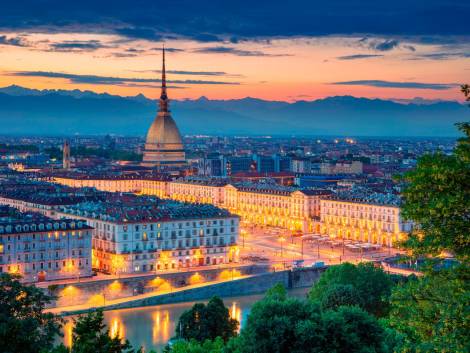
[[236, 286]]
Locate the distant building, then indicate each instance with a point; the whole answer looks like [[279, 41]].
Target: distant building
[[163, 147], [40, 248], [233, 165], [373, 218], [66, 155], [342, 167]]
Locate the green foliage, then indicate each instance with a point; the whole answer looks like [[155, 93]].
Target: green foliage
[[437, 198], [108, 153], [193, 346], [466, 92], [289, 325], [207, 322], [90, 335], [278, 291], [364, 285], [351, 329], [432, 312], [337, 295], [24, 327]]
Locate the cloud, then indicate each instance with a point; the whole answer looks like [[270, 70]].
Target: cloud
[[233, 51], [442, 56], [231, 20], [77, 45], [391, 84], [140, 33], [14, 41], [358, 56], [194, 73], [170, 50], [385, 45], [109, 80]]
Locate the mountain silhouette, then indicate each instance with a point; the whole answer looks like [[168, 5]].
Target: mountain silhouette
[[64, 112]]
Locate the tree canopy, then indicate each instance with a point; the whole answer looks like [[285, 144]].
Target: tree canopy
[[364, 285], [24, 327], [207, 322], [280, 324]]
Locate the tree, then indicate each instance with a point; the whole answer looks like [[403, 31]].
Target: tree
[[351, 329], [337, 295], [193, 346], [90, 335], [274, 325], [206, 322], [279, 324], [432, 312], [437, 198], [24, 327], [364, 285]]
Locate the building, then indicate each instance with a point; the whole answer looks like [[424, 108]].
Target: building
[[66, 155], [342, 167], [373, 218], [42, 197], [40, 248], [275, 205], [164, 147], [259, 203], [135, 234]]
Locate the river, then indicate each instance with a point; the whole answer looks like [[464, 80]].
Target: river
[[151, 327]]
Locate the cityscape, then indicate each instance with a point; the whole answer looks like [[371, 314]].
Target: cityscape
[[176, 178]]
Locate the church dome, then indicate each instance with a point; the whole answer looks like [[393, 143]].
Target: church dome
[[163, 131]]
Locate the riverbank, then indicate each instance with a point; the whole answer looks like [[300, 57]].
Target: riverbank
[[242, 285]]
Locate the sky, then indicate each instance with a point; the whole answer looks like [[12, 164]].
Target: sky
[[273, 50]]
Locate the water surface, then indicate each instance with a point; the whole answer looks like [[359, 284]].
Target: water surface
[[151, 327]]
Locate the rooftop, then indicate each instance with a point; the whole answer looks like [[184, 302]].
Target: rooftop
[[13, 221], [130, 208]]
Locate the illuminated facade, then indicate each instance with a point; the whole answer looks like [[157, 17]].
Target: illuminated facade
[[262, 204], [278, 207], [41, 248], [150, 237], [363, 221]]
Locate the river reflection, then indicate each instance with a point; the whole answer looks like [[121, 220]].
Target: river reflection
[[152, 327]]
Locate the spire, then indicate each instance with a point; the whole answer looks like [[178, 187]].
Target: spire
[[163, 95]]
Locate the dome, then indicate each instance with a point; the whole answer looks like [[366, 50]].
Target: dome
[[163, 131], [163, 145]]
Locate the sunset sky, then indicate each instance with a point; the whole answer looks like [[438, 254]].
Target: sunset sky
[[298, 50]]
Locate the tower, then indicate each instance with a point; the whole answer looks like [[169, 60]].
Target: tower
[[163, 145], [66, 155]]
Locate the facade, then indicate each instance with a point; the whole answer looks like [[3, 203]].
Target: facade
[[163, 147], [141, 234], [263, 204], [40, 248], [363, 220], [275, 205]]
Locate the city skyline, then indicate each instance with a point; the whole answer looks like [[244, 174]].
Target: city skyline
[[314, 55]]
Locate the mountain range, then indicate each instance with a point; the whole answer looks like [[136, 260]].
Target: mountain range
[[66, 112]]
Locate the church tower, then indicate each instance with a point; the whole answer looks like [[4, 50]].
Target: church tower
[[163, 146], [66, 155]]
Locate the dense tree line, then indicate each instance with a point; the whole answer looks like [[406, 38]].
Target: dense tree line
[[108, 153]]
